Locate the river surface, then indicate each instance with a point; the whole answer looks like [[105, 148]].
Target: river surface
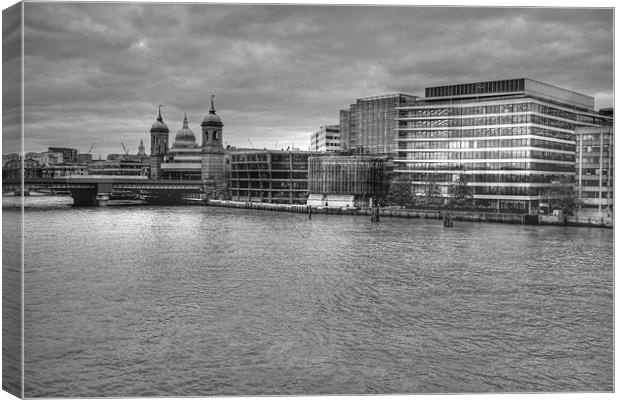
[[176, 301]]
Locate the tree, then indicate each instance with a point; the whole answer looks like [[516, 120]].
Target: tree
[[400, 193], [460, 190], [562, 195], [431, 188]]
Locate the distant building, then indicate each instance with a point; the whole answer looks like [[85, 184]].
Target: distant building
[[188, 160], [184, 159], [118, 167], [595, 169], [52, 158], [512, 138], [361, 177], [326, 139], [14, 168], [69, 155], [84, 158], [270, 176], [369, 125], [9, 157], [31, 155]]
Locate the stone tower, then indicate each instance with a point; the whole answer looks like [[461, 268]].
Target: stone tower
[[212, 150], [159, 145]]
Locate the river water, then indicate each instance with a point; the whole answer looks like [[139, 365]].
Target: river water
[[176, 301]]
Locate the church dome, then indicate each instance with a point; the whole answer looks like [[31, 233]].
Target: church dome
[[159, 125], [184, 137], [212, 118]]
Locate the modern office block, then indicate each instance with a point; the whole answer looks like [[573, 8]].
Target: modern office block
[[594, 169], [513, 138], [326, 138], [271, 176]]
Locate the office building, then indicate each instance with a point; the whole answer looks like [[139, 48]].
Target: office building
[[363, 178], [326, 139], [594, 169], [369, 125], [512, 138], [270, 176]]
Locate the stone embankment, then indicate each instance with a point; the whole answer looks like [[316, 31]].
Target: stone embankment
[[470, 216]]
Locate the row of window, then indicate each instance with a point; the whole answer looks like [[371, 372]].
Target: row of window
[[481, 144], [474, 179], [465, 133], [595, 195], [487, 166], [498, 109], [493, 155], [478, 121], [595, 183]]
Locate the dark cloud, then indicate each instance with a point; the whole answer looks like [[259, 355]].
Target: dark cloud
[[96, 72]]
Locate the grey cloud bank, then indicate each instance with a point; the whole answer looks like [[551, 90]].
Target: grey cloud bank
[[96, 72]]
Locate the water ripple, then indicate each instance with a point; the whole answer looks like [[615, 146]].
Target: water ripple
[[176, 301]]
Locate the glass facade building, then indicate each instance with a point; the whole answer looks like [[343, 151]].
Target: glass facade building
[[369, 125], [269, 176], [594, 180], [361, 176], [512, 138]]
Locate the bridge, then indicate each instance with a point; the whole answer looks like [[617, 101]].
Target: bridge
[[89, 190]]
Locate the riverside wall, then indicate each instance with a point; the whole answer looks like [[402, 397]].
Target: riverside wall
[[469, 216]]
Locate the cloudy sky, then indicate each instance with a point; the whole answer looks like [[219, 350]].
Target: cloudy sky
[[96, 72]]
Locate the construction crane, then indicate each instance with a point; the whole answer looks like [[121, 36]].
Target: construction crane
[[251, 144], [125, 148], [91, 148]]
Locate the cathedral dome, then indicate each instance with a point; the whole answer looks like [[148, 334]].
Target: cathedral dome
[[212, 118], [184, 137]]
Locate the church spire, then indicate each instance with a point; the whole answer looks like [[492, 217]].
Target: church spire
[[212, 110]]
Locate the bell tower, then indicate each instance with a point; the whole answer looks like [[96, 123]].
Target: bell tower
[[212, 129], [159, 145], [212, 172]]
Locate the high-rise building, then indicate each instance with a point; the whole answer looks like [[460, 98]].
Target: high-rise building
[[594, 169], [512, 138], [327, 139], [369, 126]]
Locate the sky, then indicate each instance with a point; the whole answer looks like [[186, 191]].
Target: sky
[[96, 72]]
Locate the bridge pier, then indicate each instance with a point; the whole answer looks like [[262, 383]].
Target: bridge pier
[[102, 199], [98, 195]]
